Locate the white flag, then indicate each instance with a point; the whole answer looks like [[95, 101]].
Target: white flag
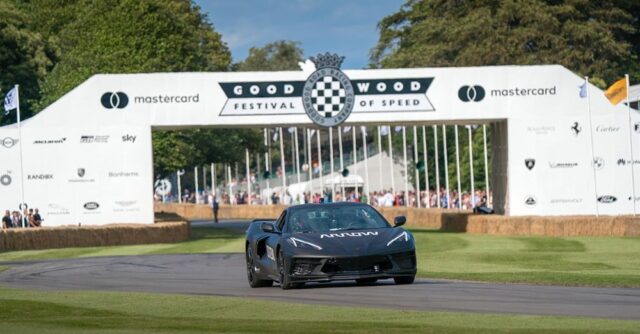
[[398, 129], [363, 129], [384, 130], [312, 132], [11, 100], [346, 129], [291, 130], [275, 134]]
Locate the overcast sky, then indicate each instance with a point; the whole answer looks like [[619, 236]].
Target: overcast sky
[[347, 27]]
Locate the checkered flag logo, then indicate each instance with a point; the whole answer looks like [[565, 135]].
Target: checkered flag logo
[[328, 96]]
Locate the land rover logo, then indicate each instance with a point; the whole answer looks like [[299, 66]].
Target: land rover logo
[[607, 199], [327, 95], [91, 205], [530, 163]]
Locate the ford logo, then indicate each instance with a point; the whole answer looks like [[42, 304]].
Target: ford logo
[[607, 199], [91, 205]]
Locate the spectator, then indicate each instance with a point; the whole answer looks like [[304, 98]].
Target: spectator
[[6, 220], [16, 220], [215, 206], [37, 218]]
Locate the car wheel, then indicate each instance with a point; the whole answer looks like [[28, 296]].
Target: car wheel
[[254, 282], [285, 280], [404, 279], [365, 281]]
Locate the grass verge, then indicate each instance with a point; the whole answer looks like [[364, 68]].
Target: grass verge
[[107, 312]]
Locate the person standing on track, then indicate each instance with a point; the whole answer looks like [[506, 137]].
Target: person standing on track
[[215, 206], [6, 220]]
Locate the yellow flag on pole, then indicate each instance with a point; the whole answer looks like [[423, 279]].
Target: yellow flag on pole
[[617, 92]]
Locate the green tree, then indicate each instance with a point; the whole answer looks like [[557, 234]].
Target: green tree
[[24, 58], [595, 38], [275, 56]]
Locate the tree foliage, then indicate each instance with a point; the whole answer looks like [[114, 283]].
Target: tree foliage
[[275, 56], [24, 57], [595, 38]]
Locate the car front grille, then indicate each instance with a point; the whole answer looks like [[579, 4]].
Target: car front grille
[[357, 264]]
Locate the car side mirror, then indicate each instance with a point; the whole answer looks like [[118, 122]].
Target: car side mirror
[[268, 227], [399, 221]]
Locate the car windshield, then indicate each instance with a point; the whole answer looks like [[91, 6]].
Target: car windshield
[[325, 218]]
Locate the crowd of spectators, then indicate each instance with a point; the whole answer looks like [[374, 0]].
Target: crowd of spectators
[[16, 219]]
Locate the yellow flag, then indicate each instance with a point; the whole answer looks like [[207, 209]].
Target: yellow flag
[[617, 92]]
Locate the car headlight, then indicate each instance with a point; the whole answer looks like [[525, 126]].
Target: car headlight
[[299, 243], [402, 236]]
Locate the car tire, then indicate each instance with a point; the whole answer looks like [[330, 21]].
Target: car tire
[[366, 281], [254, 281], [404, 279], [285, 280]]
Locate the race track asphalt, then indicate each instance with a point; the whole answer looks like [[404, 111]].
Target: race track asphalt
[[224, 275]]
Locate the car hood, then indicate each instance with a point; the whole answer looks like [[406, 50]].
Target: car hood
[[353, 242]]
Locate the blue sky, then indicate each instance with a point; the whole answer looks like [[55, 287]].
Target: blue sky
[[347, 27]]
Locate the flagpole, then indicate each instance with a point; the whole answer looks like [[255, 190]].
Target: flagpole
[[379, 158], [17, 88], [230, 184], [341, 163], [406, 170], [355, 157], [297, 143], [284, 173], [486, 164], [365, 187], [267, 155], [446, 165], [393, 182], [195, 177], [310, 168], [415, 162], [473, 190], [321, 167], [204, 180], [455, 131], [633, 174], [333, 184], [179, 187], [593, 170], [436, 163], [213, 178], [248, 171], [426, 165]]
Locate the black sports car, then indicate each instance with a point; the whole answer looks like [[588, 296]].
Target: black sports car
[[327, 242]]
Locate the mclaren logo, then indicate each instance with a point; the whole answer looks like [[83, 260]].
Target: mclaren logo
[[471, 93], [347, 234], [112, 100]]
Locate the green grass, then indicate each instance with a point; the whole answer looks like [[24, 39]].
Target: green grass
[[111, 312], [203, 240], [582, 261], [579, 261]]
